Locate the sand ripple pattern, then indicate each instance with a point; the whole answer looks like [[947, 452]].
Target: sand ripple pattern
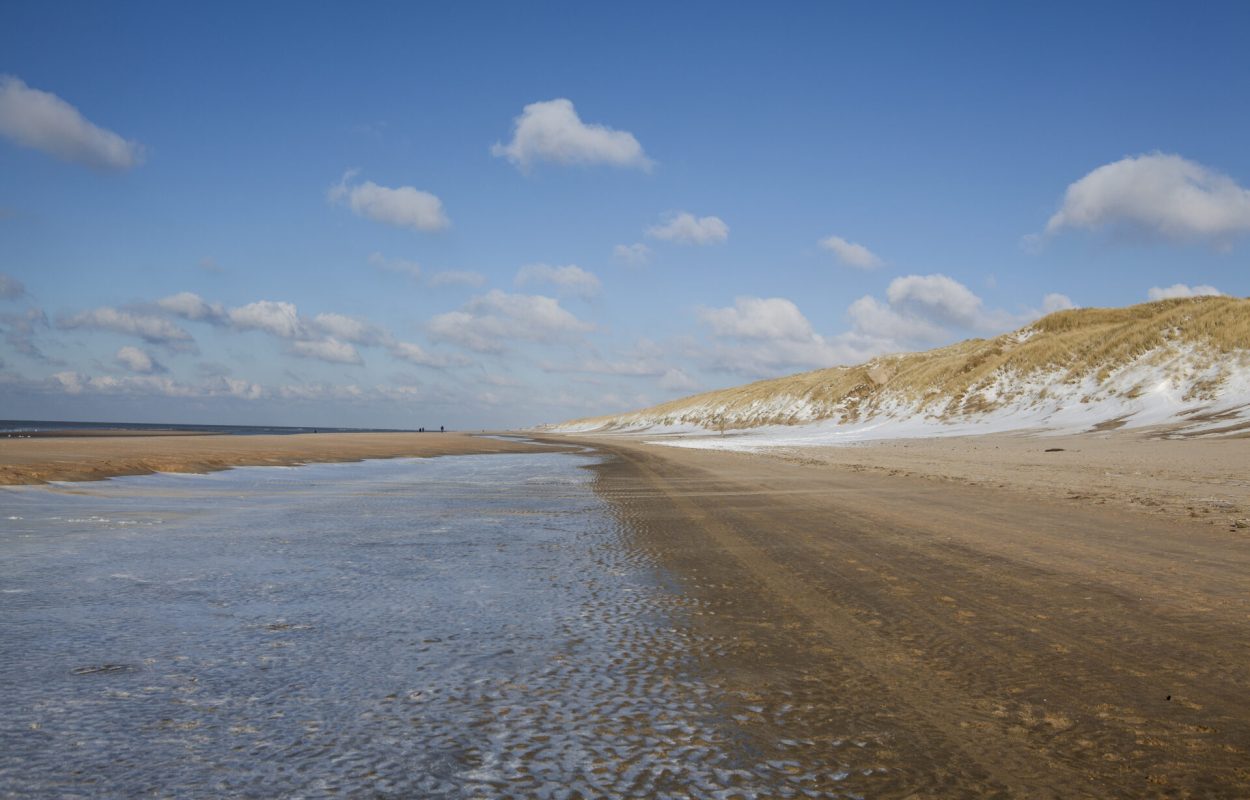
[[464, 627]]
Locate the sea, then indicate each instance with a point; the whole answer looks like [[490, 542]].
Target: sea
[[456, 627], [12, 427]]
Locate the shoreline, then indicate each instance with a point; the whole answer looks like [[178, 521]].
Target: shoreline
[[1001, 643], [44, 459]]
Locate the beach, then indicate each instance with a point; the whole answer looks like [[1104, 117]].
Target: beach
[[1004, 641], [107, 455], [977, 616]]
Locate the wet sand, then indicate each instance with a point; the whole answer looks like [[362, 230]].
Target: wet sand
[[973, 640], [87, 458]]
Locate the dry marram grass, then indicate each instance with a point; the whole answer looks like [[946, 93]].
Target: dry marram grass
[[979, 375]]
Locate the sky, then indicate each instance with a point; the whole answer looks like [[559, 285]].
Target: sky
[[488, 215]]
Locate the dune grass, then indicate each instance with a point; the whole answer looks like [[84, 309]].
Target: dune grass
[[977, 375]]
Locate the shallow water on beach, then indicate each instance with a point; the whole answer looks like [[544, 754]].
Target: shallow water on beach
[[476, 626]]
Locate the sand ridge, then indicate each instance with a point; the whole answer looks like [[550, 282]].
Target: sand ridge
[[85, 458]]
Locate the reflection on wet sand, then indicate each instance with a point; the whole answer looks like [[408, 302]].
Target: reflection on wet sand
[[479, 626]]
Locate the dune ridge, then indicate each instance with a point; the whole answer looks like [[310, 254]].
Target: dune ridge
[[1183, 361]]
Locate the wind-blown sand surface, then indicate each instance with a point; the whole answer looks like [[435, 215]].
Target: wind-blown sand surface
[[990, 641], [1146, 470], [86, 458]]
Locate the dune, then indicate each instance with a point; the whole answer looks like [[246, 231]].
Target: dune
[[1184, 363]]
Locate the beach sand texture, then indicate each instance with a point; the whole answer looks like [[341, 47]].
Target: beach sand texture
[[974, 616], [993, 642]]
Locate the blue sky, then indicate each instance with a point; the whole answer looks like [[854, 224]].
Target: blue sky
[[481, 215]]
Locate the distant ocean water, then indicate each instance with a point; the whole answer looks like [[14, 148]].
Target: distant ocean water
[[10, 426]]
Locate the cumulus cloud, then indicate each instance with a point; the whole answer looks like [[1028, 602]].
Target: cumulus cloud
[[1056, 302], [136, 360], [676, 380], [404, 207], [890, 328], [937, 298], [21, 329], [488, 322], [76, 383], [458, 277], [1157, 193], [328, 349], [850, 253], [11, 288], [1181, 290], [685, 228], [189, 305], [770, 336], [43, 121], [348, 329], [925, 310], [271, 316], [636, 253], [552, 131], [400, 265], [416, 354], [758, 318], [571, 278], [764, 336], [148, 327]]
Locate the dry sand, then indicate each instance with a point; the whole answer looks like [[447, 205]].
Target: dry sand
[[85, 458], [1207, 479], [991, 637]]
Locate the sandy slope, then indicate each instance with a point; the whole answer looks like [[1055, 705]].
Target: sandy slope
[[84, 458], [1184, 361], [969, 640]]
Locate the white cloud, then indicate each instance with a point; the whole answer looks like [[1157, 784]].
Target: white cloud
[[156, 330], [11, 288], [891, 327], [189, 305], [328, 349], [685, 228], [348, 329], [416, 354], [403, 266], [758, 318], [764, 336], [21, 329], [457, 277], [1181, 290], [676, 380], [850, 253], [76, 383], [488, 322], [552, 131], [1157, 193], [1056, 302], [272, 316], [925, 310], [937, 298], [636, 253], [136, 360], [571, 277], [43, 121], [404, 207]]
